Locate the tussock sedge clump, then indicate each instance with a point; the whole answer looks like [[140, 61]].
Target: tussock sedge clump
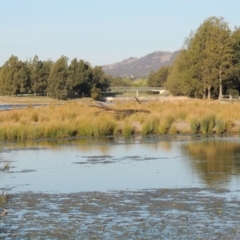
[[207, 124], [4, 198], [220, 126], [195, 125], [128, 130], [150, 126], [78, 118], [165, 125]]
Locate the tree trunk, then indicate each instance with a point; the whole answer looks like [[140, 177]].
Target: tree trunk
[[220, 83], [220, 89], [209, 93], [204, 92]]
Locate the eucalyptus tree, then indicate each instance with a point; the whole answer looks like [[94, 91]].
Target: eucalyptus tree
[[4, 80], [219, 48], [14, 77], [158, 78], [234, 81], [58, 86], [182, 79], [7, 75], [100, 80], [22, 79], [39, 72], [80, 77], [212, 54], [206, 60], [202, 64], [44, 71]]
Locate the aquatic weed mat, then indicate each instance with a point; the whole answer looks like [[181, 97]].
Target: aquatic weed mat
[[189, 213]]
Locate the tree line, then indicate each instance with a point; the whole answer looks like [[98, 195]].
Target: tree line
[[58, 79], [207, 66]]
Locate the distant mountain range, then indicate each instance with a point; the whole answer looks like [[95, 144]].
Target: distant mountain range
[[140, 67]]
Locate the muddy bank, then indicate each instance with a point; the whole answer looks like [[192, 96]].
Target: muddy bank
[[147, 214]]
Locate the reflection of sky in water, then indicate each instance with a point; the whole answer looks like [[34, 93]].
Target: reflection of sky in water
[[56, 170]]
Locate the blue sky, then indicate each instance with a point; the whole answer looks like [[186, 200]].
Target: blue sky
[[103, 31]]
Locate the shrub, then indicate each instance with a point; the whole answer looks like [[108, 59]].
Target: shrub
[[95, 93]]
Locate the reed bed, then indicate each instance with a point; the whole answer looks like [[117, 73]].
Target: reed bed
[[76, 118]]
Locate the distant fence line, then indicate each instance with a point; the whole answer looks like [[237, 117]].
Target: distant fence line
[[147, 98], [136, 88], [158, 90], [229, 97], [159, 98]]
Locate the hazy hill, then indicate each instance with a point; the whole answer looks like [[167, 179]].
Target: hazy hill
[[140, 67]]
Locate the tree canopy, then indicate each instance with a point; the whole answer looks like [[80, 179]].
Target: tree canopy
[[158, 78], [57, 79], [207, 64]]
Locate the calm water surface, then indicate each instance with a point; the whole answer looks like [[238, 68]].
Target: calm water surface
[[16, 106], [117, 164]]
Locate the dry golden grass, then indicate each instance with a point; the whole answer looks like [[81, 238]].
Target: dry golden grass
[[78, 118]]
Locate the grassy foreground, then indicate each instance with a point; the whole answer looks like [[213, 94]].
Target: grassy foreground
[[78, 118]]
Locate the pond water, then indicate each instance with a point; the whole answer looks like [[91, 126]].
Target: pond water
[[16, 106], [158, 187], [115, 164]]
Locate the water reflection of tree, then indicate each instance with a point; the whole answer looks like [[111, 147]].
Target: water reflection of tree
[[87, 144], [214, 160], [83, 144]]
